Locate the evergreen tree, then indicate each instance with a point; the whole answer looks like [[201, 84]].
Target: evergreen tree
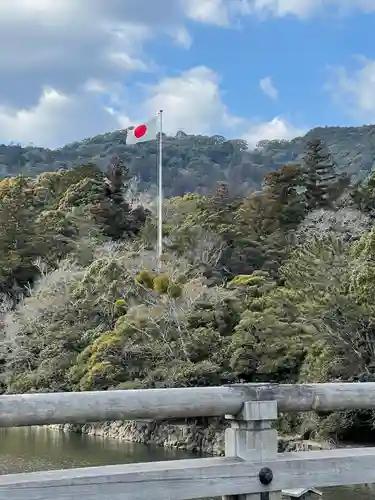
[[284, 207], [221, 198], [218, 211], [116, 180], [113, 213], [320, 178]]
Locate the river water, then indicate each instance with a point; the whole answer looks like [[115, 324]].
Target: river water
[[32, 449]]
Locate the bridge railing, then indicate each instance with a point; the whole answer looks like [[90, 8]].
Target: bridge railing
[[251, 470]]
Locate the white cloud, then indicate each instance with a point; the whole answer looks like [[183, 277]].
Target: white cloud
[[268, 88], [277, 128], [222, 12], [67, 46], [280, 8], [64, 42], [127, 62], [191, 102], [304, 9], [181, 36], [208, 11], [66, 75], [57, 119], [354, 90]]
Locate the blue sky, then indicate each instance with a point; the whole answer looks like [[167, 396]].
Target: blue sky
[[255, 69], [300, 57]]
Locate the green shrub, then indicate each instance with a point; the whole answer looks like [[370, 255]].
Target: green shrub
[[146, 279], [121, 307], [174, 291], [161, 283]]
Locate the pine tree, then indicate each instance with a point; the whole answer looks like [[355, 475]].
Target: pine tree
[[217, 214], [114, 214], [284, 207], [221, 199], [116, 180], [217, 209], [320, 177]]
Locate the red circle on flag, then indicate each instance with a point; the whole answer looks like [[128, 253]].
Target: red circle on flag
[[140, 131]]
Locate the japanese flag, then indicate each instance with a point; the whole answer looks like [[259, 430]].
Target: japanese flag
[[142, 133]]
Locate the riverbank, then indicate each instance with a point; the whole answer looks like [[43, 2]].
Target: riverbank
[[194, 436]]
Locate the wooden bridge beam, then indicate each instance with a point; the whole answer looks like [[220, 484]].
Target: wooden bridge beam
[[197, 478], [161, 404]]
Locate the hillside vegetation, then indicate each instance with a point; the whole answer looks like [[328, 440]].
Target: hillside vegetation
[[275, 285], [196, 163]]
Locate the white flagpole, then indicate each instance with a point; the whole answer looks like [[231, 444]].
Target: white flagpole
[[160, 193]]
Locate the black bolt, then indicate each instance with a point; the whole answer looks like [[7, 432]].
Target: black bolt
[[265, 476]]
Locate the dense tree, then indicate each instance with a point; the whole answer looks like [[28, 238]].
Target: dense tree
[[196, 163], [269, 285], [283, 198], [113, 212], [321, 183], [363, 195]]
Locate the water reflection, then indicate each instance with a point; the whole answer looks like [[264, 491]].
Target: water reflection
[[31, 449], [350, 493], [37, 448]]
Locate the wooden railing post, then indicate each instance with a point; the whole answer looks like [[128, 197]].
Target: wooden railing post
[[251, 437]]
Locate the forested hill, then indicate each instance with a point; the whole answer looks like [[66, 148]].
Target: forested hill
[[277, 285], [195, 163]]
